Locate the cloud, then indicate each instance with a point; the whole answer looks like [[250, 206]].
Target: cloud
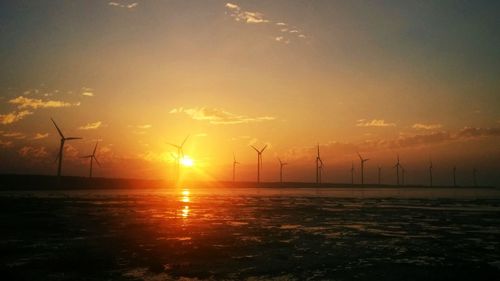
[[14, 116], [232, 6], [23, 102], [144, 127], [281, 24], [218, 116], [91, 126], [420, 140], [127, 6], [374, 123], [33, 152], [15, 135], [420, 126], [40, 136], [470, 132]]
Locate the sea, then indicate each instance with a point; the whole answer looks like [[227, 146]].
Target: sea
[[191, 233]]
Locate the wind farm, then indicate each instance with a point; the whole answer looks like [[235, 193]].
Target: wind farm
[[249, 140]]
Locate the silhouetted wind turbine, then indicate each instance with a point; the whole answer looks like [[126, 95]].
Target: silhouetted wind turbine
[[61, 147], [259, 160], [379, 174], [234, 167], [281, 169], [454, 175], [180, 155], [397, 166], [362, 160], [319, 167], [352, 173], [402, 175], [430, 173], [474, 176], [92, 158]]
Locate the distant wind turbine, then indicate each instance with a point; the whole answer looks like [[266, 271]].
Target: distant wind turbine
[[259, 160], [319, 167], [61, 147], [402, 175], [397, 166], [454, 175], [362, 160], [379, 174], [474, 176], [281, 169], [352, 173], [234, 167], [92, 158], [180, 155], [430, 173]]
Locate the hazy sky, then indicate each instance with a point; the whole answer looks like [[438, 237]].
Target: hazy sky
[[418, 78]]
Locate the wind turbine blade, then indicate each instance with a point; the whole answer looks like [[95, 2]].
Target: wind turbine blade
[[183, 142], [99, 164], [95, 148], [174, 145], [72, 138], [255, 148], [58, 130], [359, 155], [264, 148]]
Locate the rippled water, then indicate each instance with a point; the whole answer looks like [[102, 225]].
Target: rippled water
[[251, 234]]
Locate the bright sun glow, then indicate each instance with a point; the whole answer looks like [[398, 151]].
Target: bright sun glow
[[187, 161]]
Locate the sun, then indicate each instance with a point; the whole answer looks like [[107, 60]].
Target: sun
[[187, 161]]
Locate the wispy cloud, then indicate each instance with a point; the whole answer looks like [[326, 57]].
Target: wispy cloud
[[91, 126], [14, 135], [122, 5], [24, 102], [144, 127], [420, 126], [250, 17], [14, 116], [218, 116], [39, 136], [87, 92], [238, 14], [471, 132], [33, 152], [374, 123]]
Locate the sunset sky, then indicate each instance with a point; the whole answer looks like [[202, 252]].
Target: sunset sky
[[418, 78]]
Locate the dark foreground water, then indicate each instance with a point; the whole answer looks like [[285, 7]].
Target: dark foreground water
[[254, 234]]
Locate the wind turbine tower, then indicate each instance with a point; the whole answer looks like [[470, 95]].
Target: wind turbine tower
[[352, 173], [281, 169], [397, 166], [180, 155], [430, 173], [234, 167], [319, 167], [362, 161], [61, 147], [259, 160], [92, 158]]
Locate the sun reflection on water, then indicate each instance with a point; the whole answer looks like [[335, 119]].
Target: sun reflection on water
[[185, 199]]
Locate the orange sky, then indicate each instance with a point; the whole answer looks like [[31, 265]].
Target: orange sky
[[418, 79]]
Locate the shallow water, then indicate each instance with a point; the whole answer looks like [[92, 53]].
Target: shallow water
[[251, 234]]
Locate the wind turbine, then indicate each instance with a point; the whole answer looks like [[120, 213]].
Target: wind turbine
[[180, 155], [474, 178], [430, 173], [259, 160], [281, 169], [352, 173], [319, 167], [402, 175], [61, 147], [92, 158], [234, 167], [362, 160], [379, 174], [397, 166], [455, 176]]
